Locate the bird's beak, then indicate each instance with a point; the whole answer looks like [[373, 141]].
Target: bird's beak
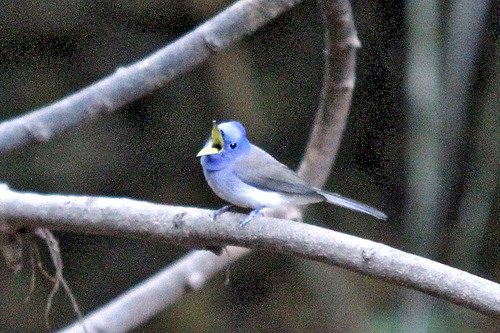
[[215, 144]]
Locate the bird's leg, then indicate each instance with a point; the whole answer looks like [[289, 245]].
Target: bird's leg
[[253, 214], [221, 211]]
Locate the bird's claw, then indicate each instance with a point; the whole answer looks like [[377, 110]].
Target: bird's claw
[[221, 211], [253, 214]]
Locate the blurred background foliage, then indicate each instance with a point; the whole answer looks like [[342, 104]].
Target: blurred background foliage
[[422, 144]]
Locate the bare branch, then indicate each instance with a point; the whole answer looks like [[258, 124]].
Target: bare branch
[[193, 227], [135, 81], [341, 42], [147, 299]]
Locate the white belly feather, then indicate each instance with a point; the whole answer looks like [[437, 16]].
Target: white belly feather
[[230, 188]]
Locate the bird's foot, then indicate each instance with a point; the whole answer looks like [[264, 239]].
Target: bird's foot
[[253, 214], [221, 211]]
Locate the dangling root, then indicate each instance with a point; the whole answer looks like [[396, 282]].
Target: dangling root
[[33, 252], [58, 278]]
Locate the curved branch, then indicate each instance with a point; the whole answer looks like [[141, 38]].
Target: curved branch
[[193, 227], [135, 81], [341, 42]]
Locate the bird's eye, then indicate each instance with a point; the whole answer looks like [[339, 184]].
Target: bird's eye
[[233, 145]]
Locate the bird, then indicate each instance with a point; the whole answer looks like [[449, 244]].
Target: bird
[[246, 176]]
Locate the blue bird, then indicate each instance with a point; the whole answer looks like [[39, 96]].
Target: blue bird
[[246, 176]]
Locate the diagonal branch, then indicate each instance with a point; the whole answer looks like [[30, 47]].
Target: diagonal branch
[[135, 81], [193, 227], [149, 297]]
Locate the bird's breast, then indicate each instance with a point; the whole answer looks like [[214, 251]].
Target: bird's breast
[[232, 189]]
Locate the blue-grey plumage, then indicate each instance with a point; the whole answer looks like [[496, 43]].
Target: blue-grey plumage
[[246, 176]]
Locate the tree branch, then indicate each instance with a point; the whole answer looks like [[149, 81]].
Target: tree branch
[[144, 301], [341, 42], [135, 81], [193, 227]]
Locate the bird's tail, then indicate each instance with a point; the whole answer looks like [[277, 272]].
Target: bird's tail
[[341, 201]]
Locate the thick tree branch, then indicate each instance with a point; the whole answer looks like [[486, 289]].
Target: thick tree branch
[[130, 83], [193, 227]]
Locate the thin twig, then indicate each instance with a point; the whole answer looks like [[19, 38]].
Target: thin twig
[[31, 251], [58, 278]]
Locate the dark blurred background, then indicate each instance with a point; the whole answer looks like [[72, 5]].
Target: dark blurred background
[[422, 144]]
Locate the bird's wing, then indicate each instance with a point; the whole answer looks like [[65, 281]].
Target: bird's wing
[[261, 170]]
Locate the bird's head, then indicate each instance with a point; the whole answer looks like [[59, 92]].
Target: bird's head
[[227, 143]]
